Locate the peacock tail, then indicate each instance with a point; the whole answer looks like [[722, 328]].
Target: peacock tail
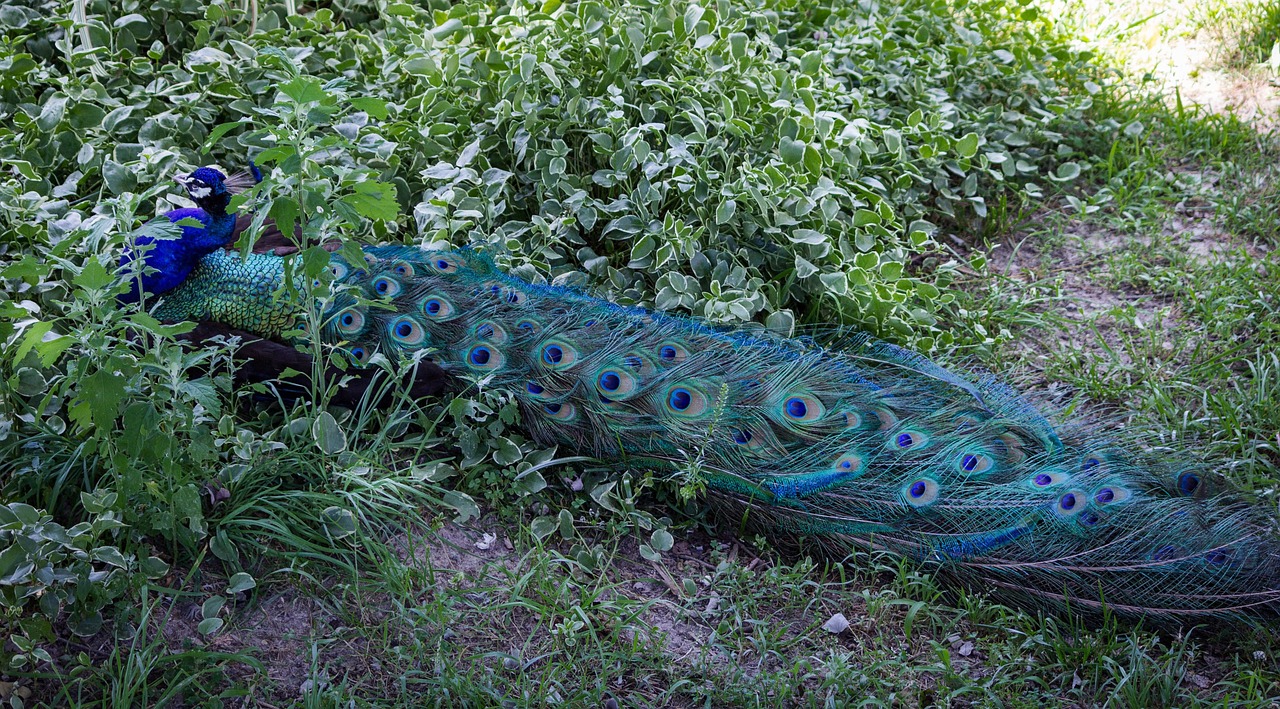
[[868, 446]]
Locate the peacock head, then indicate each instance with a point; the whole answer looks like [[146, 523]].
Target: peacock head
[[208, 188]]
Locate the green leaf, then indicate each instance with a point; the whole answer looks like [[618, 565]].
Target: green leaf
[[102, 392], [1066, 172], [93, 276], [792, 151], [223, 548], [543, 527], [661, 540], [374, 200], [810, 63], [506, 452], [338, 522], [967, 146], [328, 435], [240, 583], [462, 504], [119, 179], [209, 626], [866, 217], [726, 211], [806, 236], [375, 107], [304, 90], [153, 567], [285, 210], [219, 131]]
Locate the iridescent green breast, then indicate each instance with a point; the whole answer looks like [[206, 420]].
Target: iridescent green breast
[[237, 292]]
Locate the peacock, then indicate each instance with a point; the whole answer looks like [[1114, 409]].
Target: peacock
[[861, 446]]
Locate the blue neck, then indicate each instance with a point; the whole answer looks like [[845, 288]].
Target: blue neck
[[174, 259]]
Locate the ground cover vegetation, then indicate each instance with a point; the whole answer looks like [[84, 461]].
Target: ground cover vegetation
[[966, 178]]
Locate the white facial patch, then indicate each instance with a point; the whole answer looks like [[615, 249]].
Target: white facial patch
[[199, 192]]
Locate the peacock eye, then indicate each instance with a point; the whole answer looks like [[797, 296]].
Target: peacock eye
[[796, 408], [910, 440], [386, 287], [350, 321], [680, 399], [485, 358], [445, 264]]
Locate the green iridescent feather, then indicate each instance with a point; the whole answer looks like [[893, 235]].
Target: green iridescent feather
[[868, 446]]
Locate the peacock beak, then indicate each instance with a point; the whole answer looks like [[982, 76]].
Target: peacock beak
[[183, 180]]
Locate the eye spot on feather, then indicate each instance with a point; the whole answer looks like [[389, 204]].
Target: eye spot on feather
[[610, 381], [1067, 502], [672, 353], [1105, 495], [685, 401], [491, 332], [742, 436], [350, 321], [485, 358], [402, 269], [557, 355], [642, 366], [386, 287], [407, 331], [514, 297], [437, 308], [339, 270], [1090, 462], [1217, 557], [852, 419], [1089, 519], [563, 412], [802, 408], [360, 354], [921, 493], [445, 263], [528, 326], [1048, 478], [534, 388], [975, 463], [1188, 483], [910, 440], [850, 463], [680, 399]]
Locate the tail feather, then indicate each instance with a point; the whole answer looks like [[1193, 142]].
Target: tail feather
[[869, 446]]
